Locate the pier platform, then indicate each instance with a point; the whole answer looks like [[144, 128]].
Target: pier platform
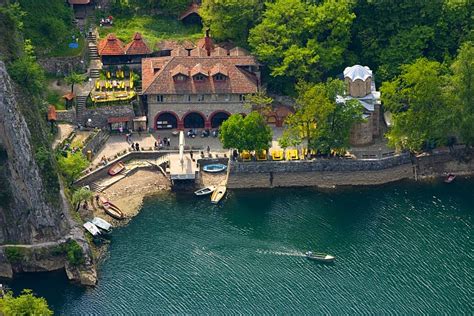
[[185, 171]]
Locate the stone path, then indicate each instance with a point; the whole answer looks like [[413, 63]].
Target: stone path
[[64, 130]]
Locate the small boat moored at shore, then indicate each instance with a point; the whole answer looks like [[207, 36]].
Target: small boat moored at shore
[[214, 168], [92, 229], [110, 208], [218, 194], [116, 168], [206, 190], [102, 224], [450, 178], [321, 257]]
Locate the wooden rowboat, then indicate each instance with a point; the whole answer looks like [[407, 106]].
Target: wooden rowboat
[[218, 194], [450, 178], [110, 208], [206, 190], [116, 168]]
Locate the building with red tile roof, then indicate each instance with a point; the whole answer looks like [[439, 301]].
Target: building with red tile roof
[[137, 46], [197, 90], [111, 46]]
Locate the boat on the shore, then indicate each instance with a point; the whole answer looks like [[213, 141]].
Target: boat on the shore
[[206, 190], [116, 168], [110, 209], [450, 178], [92, 229], [102, 224], [214, 168], [218, 194], [321, 257]]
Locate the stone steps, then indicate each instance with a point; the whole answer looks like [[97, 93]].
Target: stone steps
[[81, 101], [94, 73]]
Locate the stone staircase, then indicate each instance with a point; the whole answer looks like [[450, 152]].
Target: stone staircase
[[80, 107]]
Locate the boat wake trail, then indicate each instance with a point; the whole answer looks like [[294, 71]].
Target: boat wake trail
[[281, 253]]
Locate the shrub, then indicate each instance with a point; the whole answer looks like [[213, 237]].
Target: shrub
[[74, 254], [14, 254]]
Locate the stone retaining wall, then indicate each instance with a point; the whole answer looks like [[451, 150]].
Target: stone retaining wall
[[68, 116], [99, 115], [62, 66], [337, 172]]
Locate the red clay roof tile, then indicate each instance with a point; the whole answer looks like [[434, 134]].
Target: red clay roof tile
[[111, 46], [137, 46]]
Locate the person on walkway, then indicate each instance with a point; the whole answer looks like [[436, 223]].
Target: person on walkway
[[191, 154], [137, 147], [208, 150], [168, 142]]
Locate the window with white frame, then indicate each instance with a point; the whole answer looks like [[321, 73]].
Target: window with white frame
[[200, 97], [219, 77], [159, 98], [242, 97]]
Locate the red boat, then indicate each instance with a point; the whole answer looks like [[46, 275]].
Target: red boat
[[116, 168], [450, 178]]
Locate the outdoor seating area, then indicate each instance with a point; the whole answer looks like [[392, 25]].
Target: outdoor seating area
[[115, 87]]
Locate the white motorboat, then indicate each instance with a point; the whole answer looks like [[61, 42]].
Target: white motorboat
[[214, 168], [218, 194], [102, 224], [92, 229], [206, 190], [321, 257]]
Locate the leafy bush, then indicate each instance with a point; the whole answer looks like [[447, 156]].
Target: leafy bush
[[72, 165], [24, 304], [14, 254], [74, 254]]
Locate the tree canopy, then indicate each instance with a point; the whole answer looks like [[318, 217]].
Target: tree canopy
[[319, 122], [72, 165], [418, 107], [302, 40], [249, 133], [24, 304]]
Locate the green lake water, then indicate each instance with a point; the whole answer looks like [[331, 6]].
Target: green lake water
[[402, 248]]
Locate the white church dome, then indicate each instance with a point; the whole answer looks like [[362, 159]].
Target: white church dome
[[357, 72]]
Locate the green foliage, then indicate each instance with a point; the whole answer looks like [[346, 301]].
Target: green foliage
[[74, 253], [54, 98], [80, 195], [26, 72], [301, 40], [74, 78], [72, 165], [460, 93], [47, 23], [259, 102], [319, 122], [249, 133], [14, 254], [10, 27], [417, 103], [24, 304], [152, 28], [231, 19]]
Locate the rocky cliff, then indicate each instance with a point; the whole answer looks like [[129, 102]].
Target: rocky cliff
[[27, 218]]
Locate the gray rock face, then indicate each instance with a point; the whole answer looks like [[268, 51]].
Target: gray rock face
[[29, 219]]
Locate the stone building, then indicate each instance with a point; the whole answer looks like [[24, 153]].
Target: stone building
[[198, 88], [360, 85]]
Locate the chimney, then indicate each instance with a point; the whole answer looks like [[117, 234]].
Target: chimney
[[208, 43]]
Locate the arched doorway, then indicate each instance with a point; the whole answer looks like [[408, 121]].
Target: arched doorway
[[166, 120], [217, 119], [271, 119], [194, 120]]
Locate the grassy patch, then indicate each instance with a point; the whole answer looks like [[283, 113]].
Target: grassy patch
[[63, 50], [152, 28], [54, 98]]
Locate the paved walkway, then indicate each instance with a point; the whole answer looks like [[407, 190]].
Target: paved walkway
[[63, 132]]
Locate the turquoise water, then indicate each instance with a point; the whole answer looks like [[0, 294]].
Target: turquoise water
[[401, 248]]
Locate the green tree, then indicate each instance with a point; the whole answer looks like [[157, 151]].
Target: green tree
[[415, 99], [259, 102], [74, 78], [460, 93], [320, 122], [24, 304], [302, 40], [249, 133], [83, 194], [26, 71], [72, 165], [231, 19]]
